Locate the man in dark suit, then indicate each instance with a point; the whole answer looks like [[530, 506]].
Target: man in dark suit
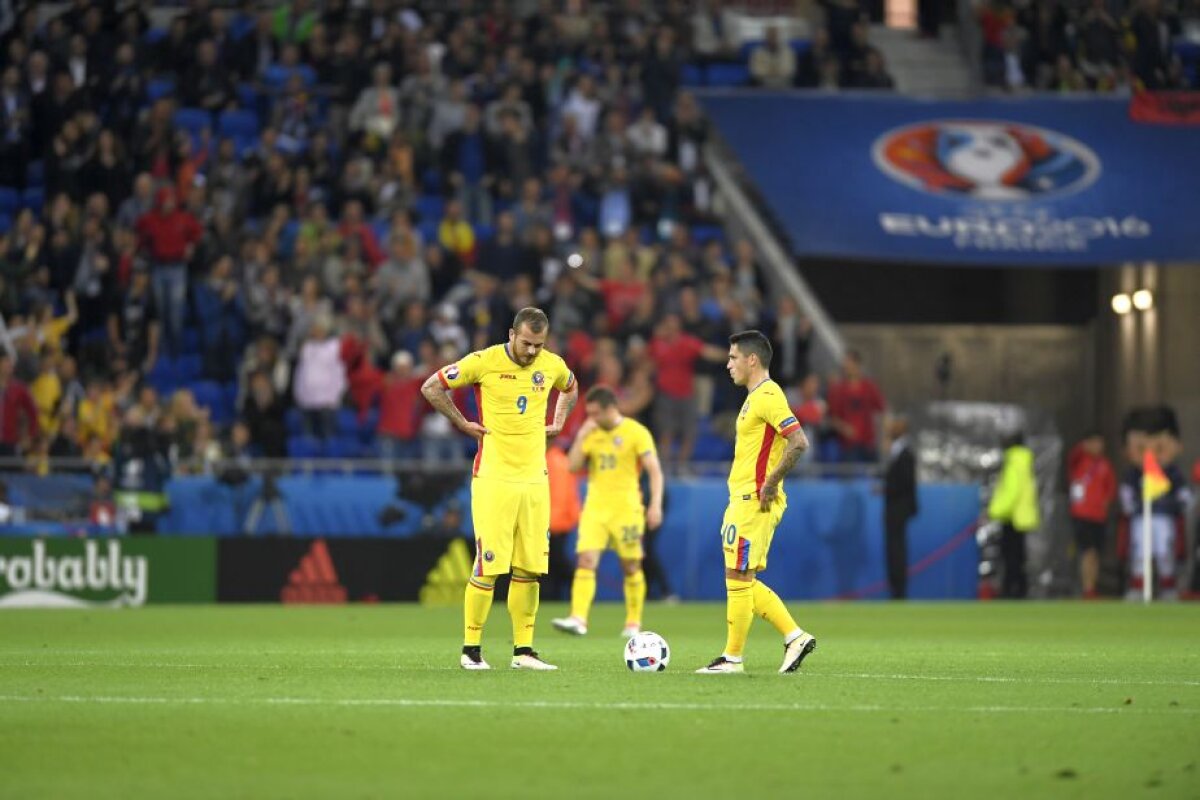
[[899, 505]]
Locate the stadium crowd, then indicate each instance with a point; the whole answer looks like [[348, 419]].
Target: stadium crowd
[[256, 232], [1052, 45]]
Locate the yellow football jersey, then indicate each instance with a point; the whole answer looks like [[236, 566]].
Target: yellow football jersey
[[614, 460], [512, 405], [762, 423]]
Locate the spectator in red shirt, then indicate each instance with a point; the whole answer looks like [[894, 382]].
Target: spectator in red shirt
[[674, 354], [168, 236], [1093, 488], [354, 226], [622, 293], [400, 410], [810, 409], [18, 413], [853, 403]]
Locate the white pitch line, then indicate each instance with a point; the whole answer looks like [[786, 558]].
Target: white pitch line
[[1002, 679], [404, 702], [809, 675]]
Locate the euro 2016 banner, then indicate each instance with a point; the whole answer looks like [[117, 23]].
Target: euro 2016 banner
[[1035, 181]]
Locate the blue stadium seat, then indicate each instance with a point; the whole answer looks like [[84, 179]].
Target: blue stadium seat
[[367, 426], [347, 421], [159, 88], [6, 223], [703, 234], [154, 35], [35, 173], [304, 447], [288, 235], [192, 120], [163, 376], [191, 341], [188, 368], [382, 230], [430, 206], [276, 76], [429, 229], [247, 94], [33, 198], [294, 422], [343, 447], [211, 395], [485, 233], [10, 200], [693, 75], [241, 25], [238, 124], [431, 180], [724, 75]]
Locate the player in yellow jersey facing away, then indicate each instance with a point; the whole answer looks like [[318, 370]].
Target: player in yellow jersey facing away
[[768, 444], [615, 450], [510, 490]]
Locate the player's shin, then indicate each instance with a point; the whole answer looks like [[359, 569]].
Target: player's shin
[[635, 596], [739, 615], [583, 592], [768, 606], [523, 595], [477, 602]]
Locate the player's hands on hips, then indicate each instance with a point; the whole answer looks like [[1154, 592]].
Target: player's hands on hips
[[474, 430], [653, 517], [767, 495]]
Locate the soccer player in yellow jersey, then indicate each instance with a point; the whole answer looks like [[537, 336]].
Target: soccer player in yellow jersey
[[769, 442], [615, 450], [510, 491]]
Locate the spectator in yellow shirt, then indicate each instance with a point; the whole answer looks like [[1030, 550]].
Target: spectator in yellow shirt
[[47, 392], [97, 415], [456, 234]]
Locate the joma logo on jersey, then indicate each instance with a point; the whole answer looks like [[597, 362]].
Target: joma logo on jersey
[[506, 376]]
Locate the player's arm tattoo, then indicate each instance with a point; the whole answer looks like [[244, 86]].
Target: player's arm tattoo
[[439, 397], [564, 406], [797, 443]]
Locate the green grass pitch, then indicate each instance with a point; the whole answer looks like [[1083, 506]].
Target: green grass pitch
[[927, 700]]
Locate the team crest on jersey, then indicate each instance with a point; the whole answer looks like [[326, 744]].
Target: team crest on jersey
[[489, 556], [538, 378], [618, 441], [452, 372]]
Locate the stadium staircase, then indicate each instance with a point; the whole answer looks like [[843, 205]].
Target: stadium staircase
[[926, 67]]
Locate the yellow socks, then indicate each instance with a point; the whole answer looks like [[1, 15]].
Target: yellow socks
[[739, 615], [523, 594], [583, 592], [635, 597], [768, 606], [477, 602]]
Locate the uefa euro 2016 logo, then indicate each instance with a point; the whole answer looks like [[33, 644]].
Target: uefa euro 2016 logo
[[986, 160]]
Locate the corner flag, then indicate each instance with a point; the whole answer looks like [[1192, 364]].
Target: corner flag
[[1154, 485]]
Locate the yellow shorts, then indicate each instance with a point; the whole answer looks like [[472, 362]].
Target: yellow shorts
[[746, 532], [512, 526], [621, 531]]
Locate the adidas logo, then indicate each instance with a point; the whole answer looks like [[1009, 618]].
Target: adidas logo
[[314, 580], [444, 583]]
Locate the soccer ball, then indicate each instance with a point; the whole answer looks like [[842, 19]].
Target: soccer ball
[[647, 652]]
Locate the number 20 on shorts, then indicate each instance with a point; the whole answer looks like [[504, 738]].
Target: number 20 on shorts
[[730, 533]]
